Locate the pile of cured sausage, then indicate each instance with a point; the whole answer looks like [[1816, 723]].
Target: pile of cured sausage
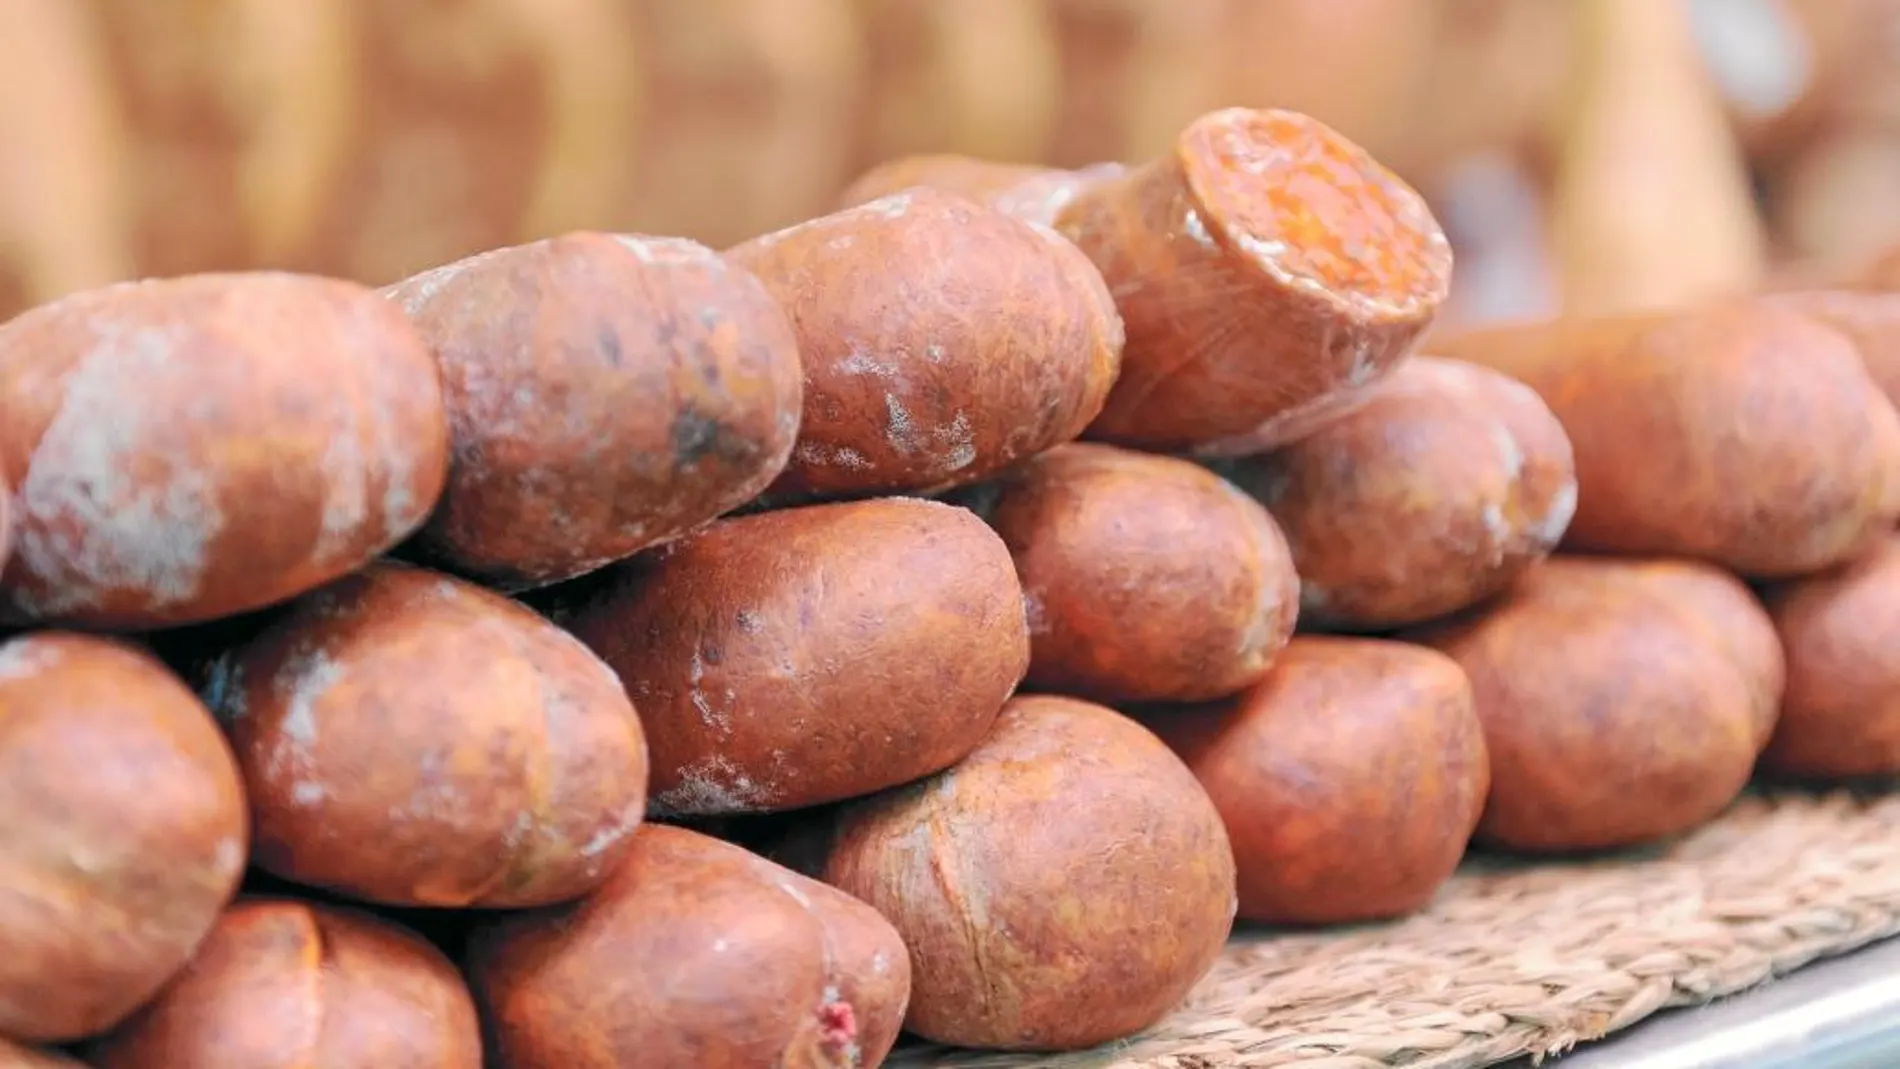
[[944, 616]]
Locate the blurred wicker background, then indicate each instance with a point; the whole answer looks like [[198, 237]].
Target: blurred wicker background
[[371, 138]]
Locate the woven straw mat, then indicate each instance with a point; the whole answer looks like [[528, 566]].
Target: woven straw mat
[[1516, 958]]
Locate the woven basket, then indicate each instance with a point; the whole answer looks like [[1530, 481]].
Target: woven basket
[[1519, 959]]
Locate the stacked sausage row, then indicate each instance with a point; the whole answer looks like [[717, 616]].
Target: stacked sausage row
[[606, 651]]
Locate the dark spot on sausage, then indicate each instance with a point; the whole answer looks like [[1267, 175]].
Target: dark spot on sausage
[[608, 342], [695, 434], [712, 654]]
